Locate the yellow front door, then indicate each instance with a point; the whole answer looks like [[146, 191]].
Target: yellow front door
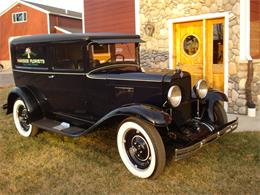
[[188, 49], [198, 48]]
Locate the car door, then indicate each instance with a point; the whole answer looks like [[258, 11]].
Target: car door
[[66, 79], [96, 96]]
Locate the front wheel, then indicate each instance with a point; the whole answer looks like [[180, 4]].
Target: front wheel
[[141, 148], [20, 115]]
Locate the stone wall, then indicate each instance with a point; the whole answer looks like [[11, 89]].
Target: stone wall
[[154, 53], [237, 92], [256, 83]]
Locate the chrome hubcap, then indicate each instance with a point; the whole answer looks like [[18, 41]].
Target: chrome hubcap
[[137, 149]]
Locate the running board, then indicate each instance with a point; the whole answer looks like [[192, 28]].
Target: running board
[[59, 127]]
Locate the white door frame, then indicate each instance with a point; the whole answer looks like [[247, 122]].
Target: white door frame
[[203, 17]]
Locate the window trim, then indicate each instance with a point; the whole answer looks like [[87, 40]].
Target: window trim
[[24, 12]]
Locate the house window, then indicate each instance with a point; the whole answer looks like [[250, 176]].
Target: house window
[[218, 43], [191, 45], [19, 17]]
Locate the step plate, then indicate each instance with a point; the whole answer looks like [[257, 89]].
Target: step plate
[[57, 127]]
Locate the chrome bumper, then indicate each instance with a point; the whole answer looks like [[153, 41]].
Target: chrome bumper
[[181, 153]]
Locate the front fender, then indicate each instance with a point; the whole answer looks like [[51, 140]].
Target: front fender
[[212, 97], [148, 113], [30, 102]]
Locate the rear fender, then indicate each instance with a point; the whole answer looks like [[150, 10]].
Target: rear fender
[[31, 102], [212, 97]]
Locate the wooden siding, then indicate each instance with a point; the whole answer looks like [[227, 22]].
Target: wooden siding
[[255, 28], [110, 16], [61, 21], [36, 24]]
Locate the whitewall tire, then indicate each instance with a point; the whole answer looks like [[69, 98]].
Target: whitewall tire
[[20, 116], [141, 148]]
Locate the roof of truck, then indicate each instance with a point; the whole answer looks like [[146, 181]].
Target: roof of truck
[[92, 37]]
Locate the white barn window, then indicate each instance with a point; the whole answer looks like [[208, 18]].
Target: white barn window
[[19, 17]]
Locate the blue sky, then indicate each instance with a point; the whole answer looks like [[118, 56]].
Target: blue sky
[[75, 5]]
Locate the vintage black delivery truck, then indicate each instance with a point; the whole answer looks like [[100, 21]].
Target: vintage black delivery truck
[[70, 84]]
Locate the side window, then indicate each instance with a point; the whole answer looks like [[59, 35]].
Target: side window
[[68, 57], [30, 57]]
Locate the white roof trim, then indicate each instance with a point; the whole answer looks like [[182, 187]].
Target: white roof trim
[[62, 30], [199, 17], [37, 8], [26, 4], [245, 30], [83, 18], [48, 23], [68, 16]]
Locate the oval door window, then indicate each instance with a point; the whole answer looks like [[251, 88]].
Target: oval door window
[[191, 45]]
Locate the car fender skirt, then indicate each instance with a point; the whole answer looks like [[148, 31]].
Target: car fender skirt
[[30, 101], [212, 97]]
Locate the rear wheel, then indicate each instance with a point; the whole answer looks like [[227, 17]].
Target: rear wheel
[[220, 115], [20, 115], [141, 148]]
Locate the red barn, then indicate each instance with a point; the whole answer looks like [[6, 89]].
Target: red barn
[[27, 18], [110, 16]]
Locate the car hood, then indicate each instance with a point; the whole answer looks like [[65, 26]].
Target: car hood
[[167, 75], [151, 75], [149, 86]]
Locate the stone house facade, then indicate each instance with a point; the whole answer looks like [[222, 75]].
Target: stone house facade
[[218, 40], [157, 18]]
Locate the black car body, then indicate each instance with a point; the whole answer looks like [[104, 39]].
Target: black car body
[[70, 84]]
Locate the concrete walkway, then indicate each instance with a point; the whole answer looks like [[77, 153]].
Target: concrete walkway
[[6, 79], [246, 123]]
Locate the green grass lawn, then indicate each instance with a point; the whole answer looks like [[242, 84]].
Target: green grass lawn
[[53, 164]]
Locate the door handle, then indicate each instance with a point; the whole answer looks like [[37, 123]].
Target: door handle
[[125, 89], [51, 76]]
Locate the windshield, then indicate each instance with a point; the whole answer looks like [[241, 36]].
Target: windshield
[[106, 54]]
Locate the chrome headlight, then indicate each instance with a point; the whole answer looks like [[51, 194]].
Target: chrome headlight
[[174, 95], [201, 88]]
